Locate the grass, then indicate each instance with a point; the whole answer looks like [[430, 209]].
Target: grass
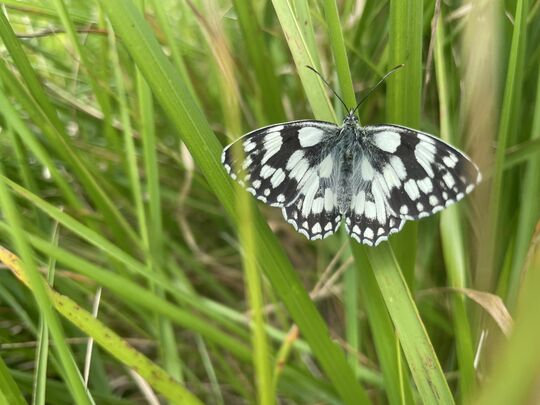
[[112, 191]]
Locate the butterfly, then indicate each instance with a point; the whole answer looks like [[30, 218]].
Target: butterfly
[[374, 178]]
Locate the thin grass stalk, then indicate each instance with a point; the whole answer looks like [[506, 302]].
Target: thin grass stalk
[[452, 235], [195, 131], [36, 283], [37, 150], [101, 96], [528, 209], [172, 43], [108, 339], [297, 34], [42, 352], [260, 58], [396, 383], [421, 357], [9, 391], [403, 100], [301, 12], [512, 90], [44, 115], [261, 351], [339, 52]]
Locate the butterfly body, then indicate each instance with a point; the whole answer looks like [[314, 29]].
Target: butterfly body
[[373, 177]]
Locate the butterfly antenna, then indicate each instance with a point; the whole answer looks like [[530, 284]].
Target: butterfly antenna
[[377, 85], [330, 87]]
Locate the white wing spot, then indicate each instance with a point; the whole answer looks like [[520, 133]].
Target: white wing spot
[[249, 146], [380, 206], [325, 168], [448, 161], [256, 183], [399, 167], [316, 228], [368, 233], [299, 170], [356, 229], [366, 169], [277, 178], [419, 207], [390, 177], [309, 136], [425, 185], [370, 211], [449, 179], [295, 158], [280, 198], [267, 171], [318, 204], [412, 189], [433, 200], [387, 141], [360, 202], [310, 190], [328, 199], [426, 138], [469, 188], [404, 210], [267, 192], [272, 143]]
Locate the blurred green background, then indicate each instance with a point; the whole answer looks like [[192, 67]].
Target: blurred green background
[[134, 271]]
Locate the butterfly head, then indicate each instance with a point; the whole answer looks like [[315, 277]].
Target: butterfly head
[[350, 120]]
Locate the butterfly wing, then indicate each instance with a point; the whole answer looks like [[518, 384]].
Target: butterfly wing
[[290, 165], [402, 174]]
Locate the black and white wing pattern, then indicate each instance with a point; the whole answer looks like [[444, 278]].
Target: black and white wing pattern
[[401, 174], [289, 165], [375, 177]]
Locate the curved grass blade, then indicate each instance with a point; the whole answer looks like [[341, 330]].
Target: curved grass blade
[[108, 339], [173, 96]]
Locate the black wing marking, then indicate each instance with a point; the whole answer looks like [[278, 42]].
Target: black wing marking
[[278, 160], [317, 220]]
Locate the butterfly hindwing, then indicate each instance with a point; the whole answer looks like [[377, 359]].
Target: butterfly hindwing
[[279, 160]]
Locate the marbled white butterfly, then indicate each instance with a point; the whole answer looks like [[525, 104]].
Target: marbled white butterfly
[[373, 177]]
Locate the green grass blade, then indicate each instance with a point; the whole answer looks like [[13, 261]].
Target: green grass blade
[[529, 207], [85, 62], [205, 149], [44, 116], [260, 347], [109, 340], [512, 91], [40, 373], [339, 52], [71, 373], [383, 331], [452, 235], [9, 391], [421, 357], [403, 100], [514, 378], [304, 56], [261, 60]]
